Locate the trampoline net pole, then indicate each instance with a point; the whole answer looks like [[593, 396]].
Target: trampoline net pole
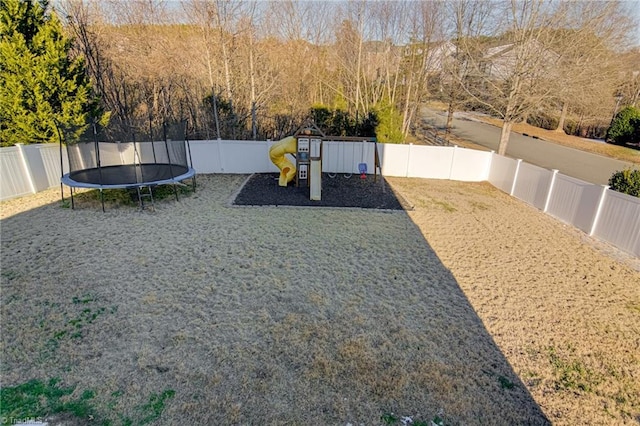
[[188, 146], [136, 155], [97, 146], [61, 162], [153, 145]]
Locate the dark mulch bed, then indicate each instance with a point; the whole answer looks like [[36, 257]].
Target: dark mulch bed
[[263, 190]]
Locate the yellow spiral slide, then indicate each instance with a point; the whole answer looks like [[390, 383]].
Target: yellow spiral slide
[[277, 152]]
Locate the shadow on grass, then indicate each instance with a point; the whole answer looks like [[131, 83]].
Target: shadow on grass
[[249, 316]]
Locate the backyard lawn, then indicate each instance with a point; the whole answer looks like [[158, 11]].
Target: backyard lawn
[[471, 308]]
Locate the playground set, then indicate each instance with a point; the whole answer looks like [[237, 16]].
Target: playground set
[[306, 147]]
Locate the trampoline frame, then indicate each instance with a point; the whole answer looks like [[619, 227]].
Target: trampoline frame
[[190, 172]]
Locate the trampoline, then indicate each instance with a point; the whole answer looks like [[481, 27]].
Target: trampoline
[[100, 163]]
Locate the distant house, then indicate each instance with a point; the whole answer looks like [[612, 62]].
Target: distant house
[[500, 61], [439, 54]]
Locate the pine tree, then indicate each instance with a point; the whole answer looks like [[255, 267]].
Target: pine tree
[[389, 122], [40, 83]]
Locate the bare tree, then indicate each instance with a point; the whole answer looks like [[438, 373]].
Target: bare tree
[[547, 51], [470, 21], [263, 65], [348, 55], [425, 31], [628, 87], [588, 65]]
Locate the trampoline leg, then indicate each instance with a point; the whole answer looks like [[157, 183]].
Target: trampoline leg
[[72, 204], [175, 190], [102, 199]]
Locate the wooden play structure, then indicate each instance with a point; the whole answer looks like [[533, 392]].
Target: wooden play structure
[[306, 146]]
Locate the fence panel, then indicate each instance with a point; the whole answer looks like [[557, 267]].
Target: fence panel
[[206, 156], [532, 184], [470, 165], [50, 154], [502, 172], [574, 201], [34, 167], [224, 156], [433, 162], [245, 156], [394, 159], [619, 221], [15, 181]]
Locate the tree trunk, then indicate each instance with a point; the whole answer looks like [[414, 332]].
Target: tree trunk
[[215, 114], [254, 128], [504, 137], [254, 121], [563, 117], [359, 64], [449, 119]]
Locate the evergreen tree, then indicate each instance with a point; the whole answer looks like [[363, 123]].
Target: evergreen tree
[[625, 127], [39, 81], [389, 122]]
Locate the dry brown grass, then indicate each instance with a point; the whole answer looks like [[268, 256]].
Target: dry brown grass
[[474, 306]]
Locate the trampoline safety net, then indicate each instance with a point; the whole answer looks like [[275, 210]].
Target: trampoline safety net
[[105, 159]]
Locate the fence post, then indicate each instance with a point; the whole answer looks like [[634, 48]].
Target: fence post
[[219, 143], [515, 178], [490, 165], [550, 190], [406, 172], [26, 167], [603, 195], [453, 160]]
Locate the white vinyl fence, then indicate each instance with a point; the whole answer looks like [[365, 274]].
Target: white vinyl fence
[[27, 169], [594, 209]]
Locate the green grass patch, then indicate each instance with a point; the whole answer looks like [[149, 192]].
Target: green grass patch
[[8, 274], [78, 319], [392, 419], [389, 419], [161, 192], [119, 197], [572, 374], [86, 313], [146, 413], [477, 205], [633, 307], [129, 197], [447, 207], [153, 409], [505, 383], [38, 399]]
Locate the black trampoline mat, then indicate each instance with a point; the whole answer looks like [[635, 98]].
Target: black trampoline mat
[[263, 190], [128, 174]]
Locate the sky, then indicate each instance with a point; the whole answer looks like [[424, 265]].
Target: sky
[[632, 5]]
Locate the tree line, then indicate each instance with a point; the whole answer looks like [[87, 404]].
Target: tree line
[[239, 69]]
